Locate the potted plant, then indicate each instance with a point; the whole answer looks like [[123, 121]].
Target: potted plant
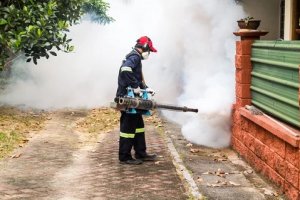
[[248, 23]]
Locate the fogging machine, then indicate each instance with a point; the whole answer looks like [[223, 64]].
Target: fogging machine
[[140, 103]]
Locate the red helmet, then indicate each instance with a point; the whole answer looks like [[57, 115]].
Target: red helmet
[[145, 43]]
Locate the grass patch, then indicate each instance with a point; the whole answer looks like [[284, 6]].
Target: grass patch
[[15, 124], [99, 120], [8, 142]]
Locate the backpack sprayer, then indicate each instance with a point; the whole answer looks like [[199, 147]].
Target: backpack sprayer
[[133, 104]]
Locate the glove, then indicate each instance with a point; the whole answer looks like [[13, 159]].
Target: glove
[[150, 91], [137, 90]]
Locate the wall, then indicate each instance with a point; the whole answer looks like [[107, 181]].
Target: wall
[[268, 11], [268, 145], [275, 157]]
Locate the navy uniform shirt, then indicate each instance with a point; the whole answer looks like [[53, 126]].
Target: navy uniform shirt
[[130, 73]]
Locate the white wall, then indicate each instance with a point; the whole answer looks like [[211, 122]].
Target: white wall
[[268, 11]]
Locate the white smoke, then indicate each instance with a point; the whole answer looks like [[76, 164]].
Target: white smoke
[[194, 64]]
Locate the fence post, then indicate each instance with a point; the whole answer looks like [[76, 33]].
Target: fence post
[[244, 67]]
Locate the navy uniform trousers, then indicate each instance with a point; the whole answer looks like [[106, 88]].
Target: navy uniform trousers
[[132, 134]]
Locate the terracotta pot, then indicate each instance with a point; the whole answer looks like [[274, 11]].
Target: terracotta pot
[[252, 24]]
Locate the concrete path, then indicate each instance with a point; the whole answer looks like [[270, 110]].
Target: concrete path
[[61, 163], [220, 174]]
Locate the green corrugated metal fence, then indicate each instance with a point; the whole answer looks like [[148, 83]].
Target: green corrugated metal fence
[[275, 79]]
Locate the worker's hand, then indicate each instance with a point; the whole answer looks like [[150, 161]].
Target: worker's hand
[[150, 91], [137, 90]]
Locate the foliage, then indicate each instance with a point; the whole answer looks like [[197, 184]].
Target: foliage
[[247, 19], [38, 28]]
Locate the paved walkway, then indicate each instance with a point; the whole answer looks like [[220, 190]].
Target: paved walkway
[[59, 163], [220, 174]]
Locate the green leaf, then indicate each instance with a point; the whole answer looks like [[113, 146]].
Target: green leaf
[[48, 47], [39, 32], [60, 24], [22, 33], [1, 38], [12, 7], [29, 28], [18, 42], [25, 9], [71, 48], [28, 60], [53, 53], [34, 60], [3, 22]]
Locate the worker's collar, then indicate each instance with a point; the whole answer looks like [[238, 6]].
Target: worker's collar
[[138, 50]]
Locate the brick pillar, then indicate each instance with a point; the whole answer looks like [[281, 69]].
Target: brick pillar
[[243, 72], [244, 67]]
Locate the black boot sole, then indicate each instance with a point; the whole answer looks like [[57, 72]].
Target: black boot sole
[[148, 158], [131, 162]]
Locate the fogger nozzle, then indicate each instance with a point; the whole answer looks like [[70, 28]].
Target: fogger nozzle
[[143, 104]]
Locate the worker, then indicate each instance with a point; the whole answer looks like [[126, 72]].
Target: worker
[[132, 131]]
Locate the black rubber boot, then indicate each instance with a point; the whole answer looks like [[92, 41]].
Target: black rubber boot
[[147, 157], [132, 162], [139, 144], [125, 146]]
